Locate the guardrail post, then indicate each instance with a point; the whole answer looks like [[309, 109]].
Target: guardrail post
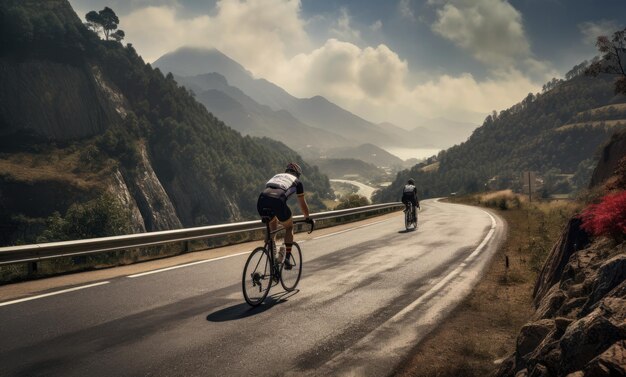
[[32, 268]]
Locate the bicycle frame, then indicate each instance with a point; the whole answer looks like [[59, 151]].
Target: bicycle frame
[[269, 240]]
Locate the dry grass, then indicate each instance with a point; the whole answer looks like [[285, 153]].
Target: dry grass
[[483, 329], [430, 168], [65, 165], [617, 106], [596, 124]]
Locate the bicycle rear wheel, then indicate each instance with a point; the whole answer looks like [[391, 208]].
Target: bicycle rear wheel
[[408, 217], [257, 277], [289, 278]]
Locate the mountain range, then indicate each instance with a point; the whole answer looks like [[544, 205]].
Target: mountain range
[[193, 68]]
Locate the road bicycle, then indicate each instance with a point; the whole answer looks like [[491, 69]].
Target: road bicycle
[[410, 217], [262, 270]]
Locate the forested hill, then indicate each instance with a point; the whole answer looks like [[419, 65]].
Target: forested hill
[[556, 132], [82, 119]]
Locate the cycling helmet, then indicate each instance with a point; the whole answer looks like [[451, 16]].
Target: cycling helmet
[[292, 167], [411, 181]]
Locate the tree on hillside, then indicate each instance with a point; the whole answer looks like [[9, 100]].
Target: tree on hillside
[[613, 59], [352, 201], [105, 21]]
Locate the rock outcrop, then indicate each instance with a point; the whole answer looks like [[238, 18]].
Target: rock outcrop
[[579, 326], [152, 200]]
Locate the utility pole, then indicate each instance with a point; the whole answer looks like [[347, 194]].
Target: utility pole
[[530, 195]]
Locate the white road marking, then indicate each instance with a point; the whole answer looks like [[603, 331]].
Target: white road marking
[[450, 276], [238, 254], [53, 293], [353, 352], [186, 265], [347, 230]]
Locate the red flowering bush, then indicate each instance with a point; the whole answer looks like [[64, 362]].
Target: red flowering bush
[[608, 217]]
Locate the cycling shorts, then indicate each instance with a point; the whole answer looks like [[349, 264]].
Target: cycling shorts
[[409, 198], [273, 205]]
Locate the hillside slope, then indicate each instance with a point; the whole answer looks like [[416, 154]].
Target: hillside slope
[[107, 122], [528, 136], [245, 115], [578, 328]]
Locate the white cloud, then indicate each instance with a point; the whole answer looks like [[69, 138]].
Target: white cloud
[[268, 37], [491, 30], [465, 97], [344, 72], [592, 30], [373, 83], [404, 6], [342, 28], [376, 26], [260, 32]]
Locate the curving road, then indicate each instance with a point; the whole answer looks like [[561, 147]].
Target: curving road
[[369, 293], [364, 190]]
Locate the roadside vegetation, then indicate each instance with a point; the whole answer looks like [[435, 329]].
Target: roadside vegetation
[[483, 329]]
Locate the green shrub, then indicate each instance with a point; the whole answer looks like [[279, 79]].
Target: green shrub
[[352, 201], [100, 217]]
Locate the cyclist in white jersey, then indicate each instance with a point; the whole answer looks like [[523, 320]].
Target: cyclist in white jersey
[[273, 203], [409, 195]]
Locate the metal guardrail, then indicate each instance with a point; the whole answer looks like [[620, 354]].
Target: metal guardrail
[[38, 252]]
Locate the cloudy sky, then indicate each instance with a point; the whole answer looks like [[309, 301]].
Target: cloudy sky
[[396, 60]]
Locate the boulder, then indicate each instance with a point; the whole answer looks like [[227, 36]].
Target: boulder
[[572, 240], [562, 323], [522, 373], [610, 363], [578, 373], [532, 334], [611, 274], [613, 158], [539, 371], [551, 303], [586, 338]]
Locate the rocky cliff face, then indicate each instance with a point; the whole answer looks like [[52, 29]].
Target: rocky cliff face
[[142, 193], [153, 203], [579, 326], [55, 100]]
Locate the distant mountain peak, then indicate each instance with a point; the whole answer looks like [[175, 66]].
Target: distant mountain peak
[[192, 61]]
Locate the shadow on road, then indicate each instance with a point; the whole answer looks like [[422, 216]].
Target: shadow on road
[[244, 310], [407, 230]]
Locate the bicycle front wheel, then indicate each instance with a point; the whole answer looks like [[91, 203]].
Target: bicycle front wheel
[[257, 277], [289, 278]]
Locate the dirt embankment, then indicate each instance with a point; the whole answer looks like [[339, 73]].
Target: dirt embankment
[[578, 328]]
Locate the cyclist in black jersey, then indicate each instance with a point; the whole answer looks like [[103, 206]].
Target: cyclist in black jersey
[[273, 203], [409, 195]]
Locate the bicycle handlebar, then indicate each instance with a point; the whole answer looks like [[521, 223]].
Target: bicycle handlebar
[[312, 223]]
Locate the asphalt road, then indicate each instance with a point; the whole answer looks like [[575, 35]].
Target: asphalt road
[[368, 295], [364, 190]]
